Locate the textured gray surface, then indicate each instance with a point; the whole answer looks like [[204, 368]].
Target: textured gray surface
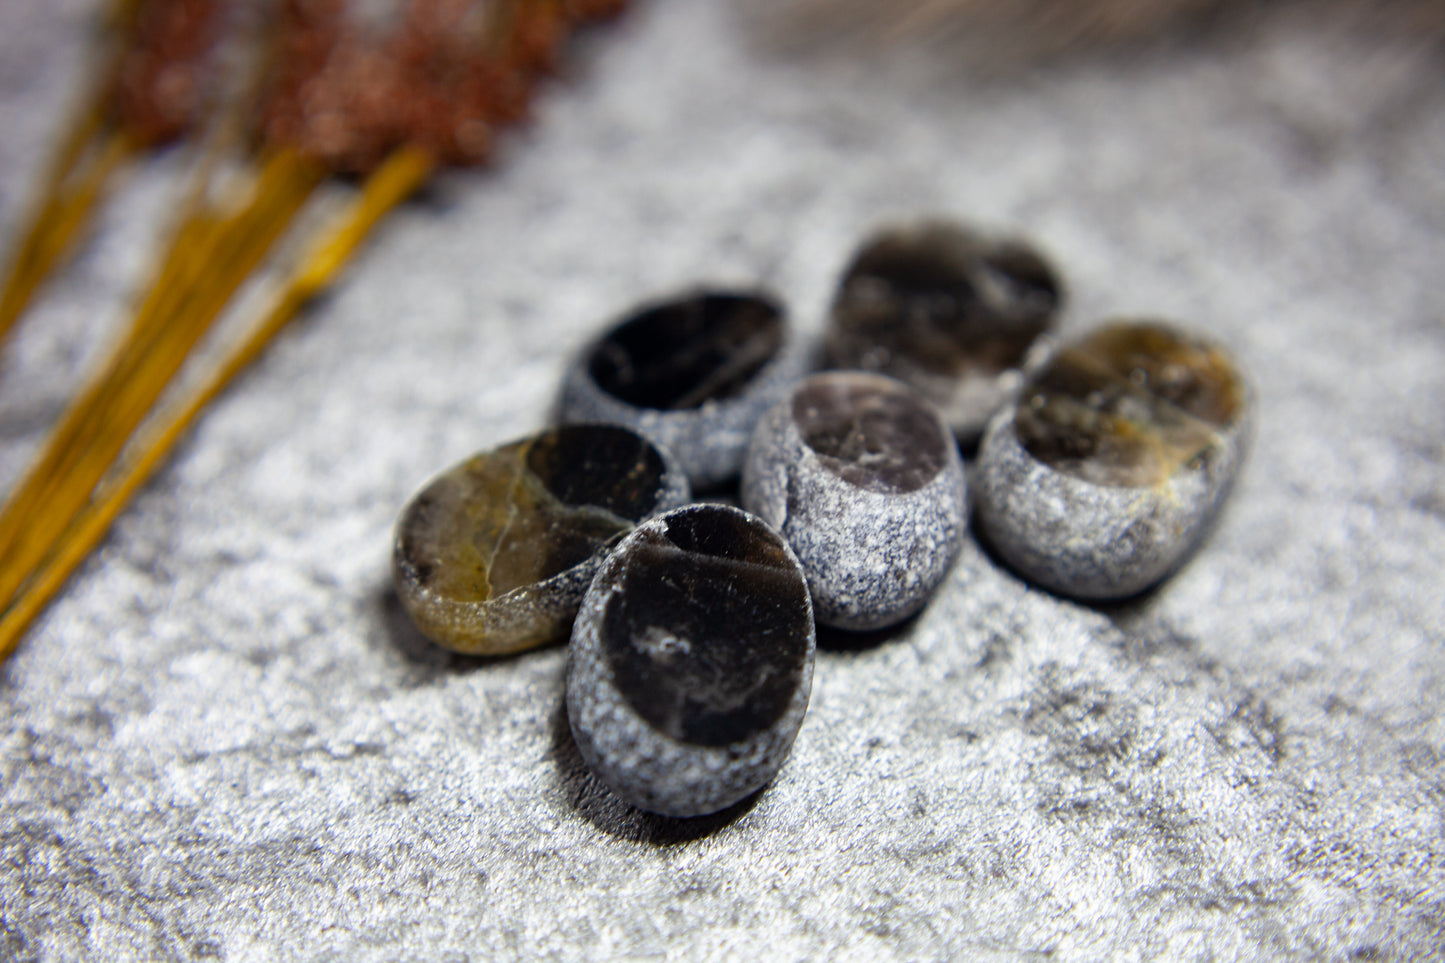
[[225, 741]]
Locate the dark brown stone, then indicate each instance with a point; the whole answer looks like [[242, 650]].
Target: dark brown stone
[[946, 311], [708, 630], [874, 433]]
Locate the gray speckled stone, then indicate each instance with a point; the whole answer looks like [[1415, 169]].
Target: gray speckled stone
[[1095, 541], [696, 709], [872, 557], [709, 439]]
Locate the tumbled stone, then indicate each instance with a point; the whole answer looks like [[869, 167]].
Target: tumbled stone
[[493, 555], [948, 311], [694, 374], [1119, 453], [861, 476], [691, 661]]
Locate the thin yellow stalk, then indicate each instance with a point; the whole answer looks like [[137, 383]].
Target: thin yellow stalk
[[52, 232], [196, 247], [198, 243], [204, 245], [68, 437], [127, 395], [195, 234], [388, 186], [85, 155]]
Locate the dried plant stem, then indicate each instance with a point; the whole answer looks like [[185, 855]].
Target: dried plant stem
[[207, 254], [65, 208], [403, 108], [391, 183], [78, 173], [212, 255]]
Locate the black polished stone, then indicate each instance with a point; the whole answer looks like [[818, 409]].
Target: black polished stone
[[873, 433], [1129, 405], [604, 466], [511, 521], [680, 354], [707, 634], [943, 300]]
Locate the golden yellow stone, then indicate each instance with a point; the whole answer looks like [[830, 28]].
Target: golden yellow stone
[[1130, 405]]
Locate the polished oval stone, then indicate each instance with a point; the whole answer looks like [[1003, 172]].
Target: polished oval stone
[[691, 661], [1119, 453], [494, 554], [948, 311], [694, 374], [861, 476], [1129, 405]]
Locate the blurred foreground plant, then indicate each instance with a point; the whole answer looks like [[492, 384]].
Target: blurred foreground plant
[[318, 87]]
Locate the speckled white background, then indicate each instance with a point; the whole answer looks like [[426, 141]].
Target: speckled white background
[[226, 742]]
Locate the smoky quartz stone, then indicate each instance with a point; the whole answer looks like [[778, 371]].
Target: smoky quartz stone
[[861, 476], [691, 661], [947, 310], [693, 373], [494, 555], [1105, 476]]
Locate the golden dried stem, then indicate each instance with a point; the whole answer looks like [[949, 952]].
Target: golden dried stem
[[212, 257], [77, 174], [390, 184], [63, 212], [197, 245]]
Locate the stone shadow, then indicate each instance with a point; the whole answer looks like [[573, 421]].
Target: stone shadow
[[844, 641]]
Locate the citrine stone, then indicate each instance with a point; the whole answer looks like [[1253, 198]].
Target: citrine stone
[[861, 476], [947, 310], [494, 555], [693, 373], [691, 661], [1107, 474]]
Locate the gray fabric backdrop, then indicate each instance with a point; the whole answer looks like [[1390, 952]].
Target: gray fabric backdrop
[[225, 741]]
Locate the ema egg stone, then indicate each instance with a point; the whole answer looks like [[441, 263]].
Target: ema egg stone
[[691, 661], [861, 476], [693, 373], [493, 555], [1105, 476]]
